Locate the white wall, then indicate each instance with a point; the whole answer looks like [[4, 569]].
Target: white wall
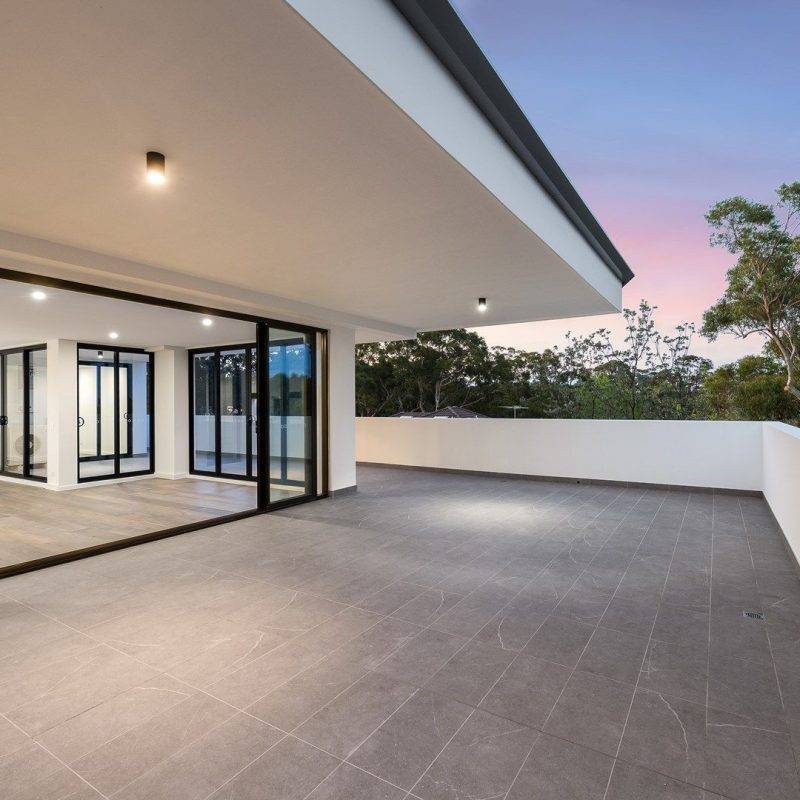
[[62, 414], [725, 455], [781, 451], [342, 407], [172, 412]]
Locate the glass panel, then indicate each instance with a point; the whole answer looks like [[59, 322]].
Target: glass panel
[[134, 412], [87, 410], [14, 429], [37, 408], [290, 419], [253, 413], [124, 411], [205, 408], [95, 413], [106, 407], [233, 398]]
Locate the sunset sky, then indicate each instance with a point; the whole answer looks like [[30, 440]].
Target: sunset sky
[[655, 110]]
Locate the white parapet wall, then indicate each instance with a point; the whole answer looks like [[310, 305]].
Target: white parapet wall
[[781, 459], [720, 455]]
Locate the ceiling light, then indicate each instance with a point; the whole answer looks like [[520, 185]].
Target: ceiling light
[[482, 305], [113, 335], [156, 168], [208, 322], [38, 295]]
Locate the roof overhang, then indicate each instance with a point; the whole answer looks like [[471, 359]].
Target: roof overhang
[[327, 163]]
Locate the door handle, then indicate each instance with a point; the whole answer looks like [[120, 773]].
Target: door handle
[[4, 420], [81, 422]]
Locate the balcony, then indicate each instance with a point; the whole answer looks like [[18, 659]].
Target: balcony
[[434, 635]]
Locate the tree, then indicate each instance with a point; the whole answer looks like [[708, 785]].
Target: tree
[[751, 388], [650, 377], [434, 370], [763, 292], [677, 378], [583, 362]]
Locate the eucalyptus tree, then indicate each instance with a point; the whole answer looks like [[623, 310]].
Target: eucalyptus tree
[[762, 297]]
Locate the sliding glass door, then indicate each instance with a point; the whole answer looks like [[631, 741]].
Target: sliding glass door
[[225, 431], [224, 413], [23, 413], [291, 414], [115, 412]]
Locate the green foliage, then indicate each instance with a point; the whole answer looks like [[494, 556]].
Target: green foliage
[[751, 388], [650, 377], [763, 292]]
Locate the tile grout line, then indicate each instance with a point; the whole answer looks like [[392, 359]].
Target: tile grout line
[[422, 630], [771, 653], [53, 755], [649, 638], [710, 612], [203, 691], [474, 708], [611, 599], [550, 614], [472, 712], [352, 605], [588, 641], [247, 713]]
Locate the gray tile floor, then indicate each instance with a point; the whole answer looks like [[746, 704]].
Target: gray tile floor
[[433, 636]]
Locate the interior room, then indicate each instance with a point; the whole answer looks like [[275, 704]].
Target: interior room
[[121, 418]]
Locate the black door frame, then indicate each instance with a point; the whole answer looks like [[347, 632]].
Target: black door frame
[[250, 349], [98, 456], [26, 410], [117, 456], [320, 339], [262, 345], [310, 409]]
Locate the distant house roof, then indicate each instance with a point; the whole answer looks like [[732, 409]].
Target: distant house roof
[[449, 412]]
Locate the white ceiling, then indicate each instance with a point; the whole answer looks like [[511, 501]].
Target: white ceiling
[[288, 171], [88, 318]]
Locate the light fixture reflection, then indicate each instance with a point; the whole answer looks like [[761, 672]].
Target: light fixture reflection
[[208, 322], [482, 305], [38, 295]]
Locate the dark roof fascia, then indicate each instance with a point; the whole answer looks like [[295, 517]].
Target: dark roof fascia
[[440, 27]]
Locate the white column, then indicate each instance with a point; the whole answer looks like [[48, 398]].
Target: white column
[[62, 414], [172, 412], [342, 408]]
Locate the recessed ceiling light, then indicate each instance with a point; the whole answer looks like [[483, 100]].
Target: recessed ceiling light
[[156, 168], [113, 335], [38, 295], [482, 305], [208, 322]]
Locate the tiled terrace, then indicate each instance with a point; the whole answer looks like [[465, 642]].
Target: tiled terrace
[[433, 636]]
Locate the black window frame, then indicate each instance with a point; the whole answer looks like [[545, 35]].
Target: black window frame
[[26, 411], [321, 429], [117, 456]]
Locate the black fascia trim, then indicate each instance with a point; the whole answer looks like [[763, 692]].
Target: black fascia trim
[[440, 27]]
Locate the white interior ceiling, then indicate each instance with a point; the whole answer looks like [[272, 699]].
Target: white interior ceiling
[[90, 319], [289, 172]]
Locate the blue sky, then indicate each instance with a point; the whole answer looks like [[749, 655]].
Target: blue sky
[[655, 110]]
